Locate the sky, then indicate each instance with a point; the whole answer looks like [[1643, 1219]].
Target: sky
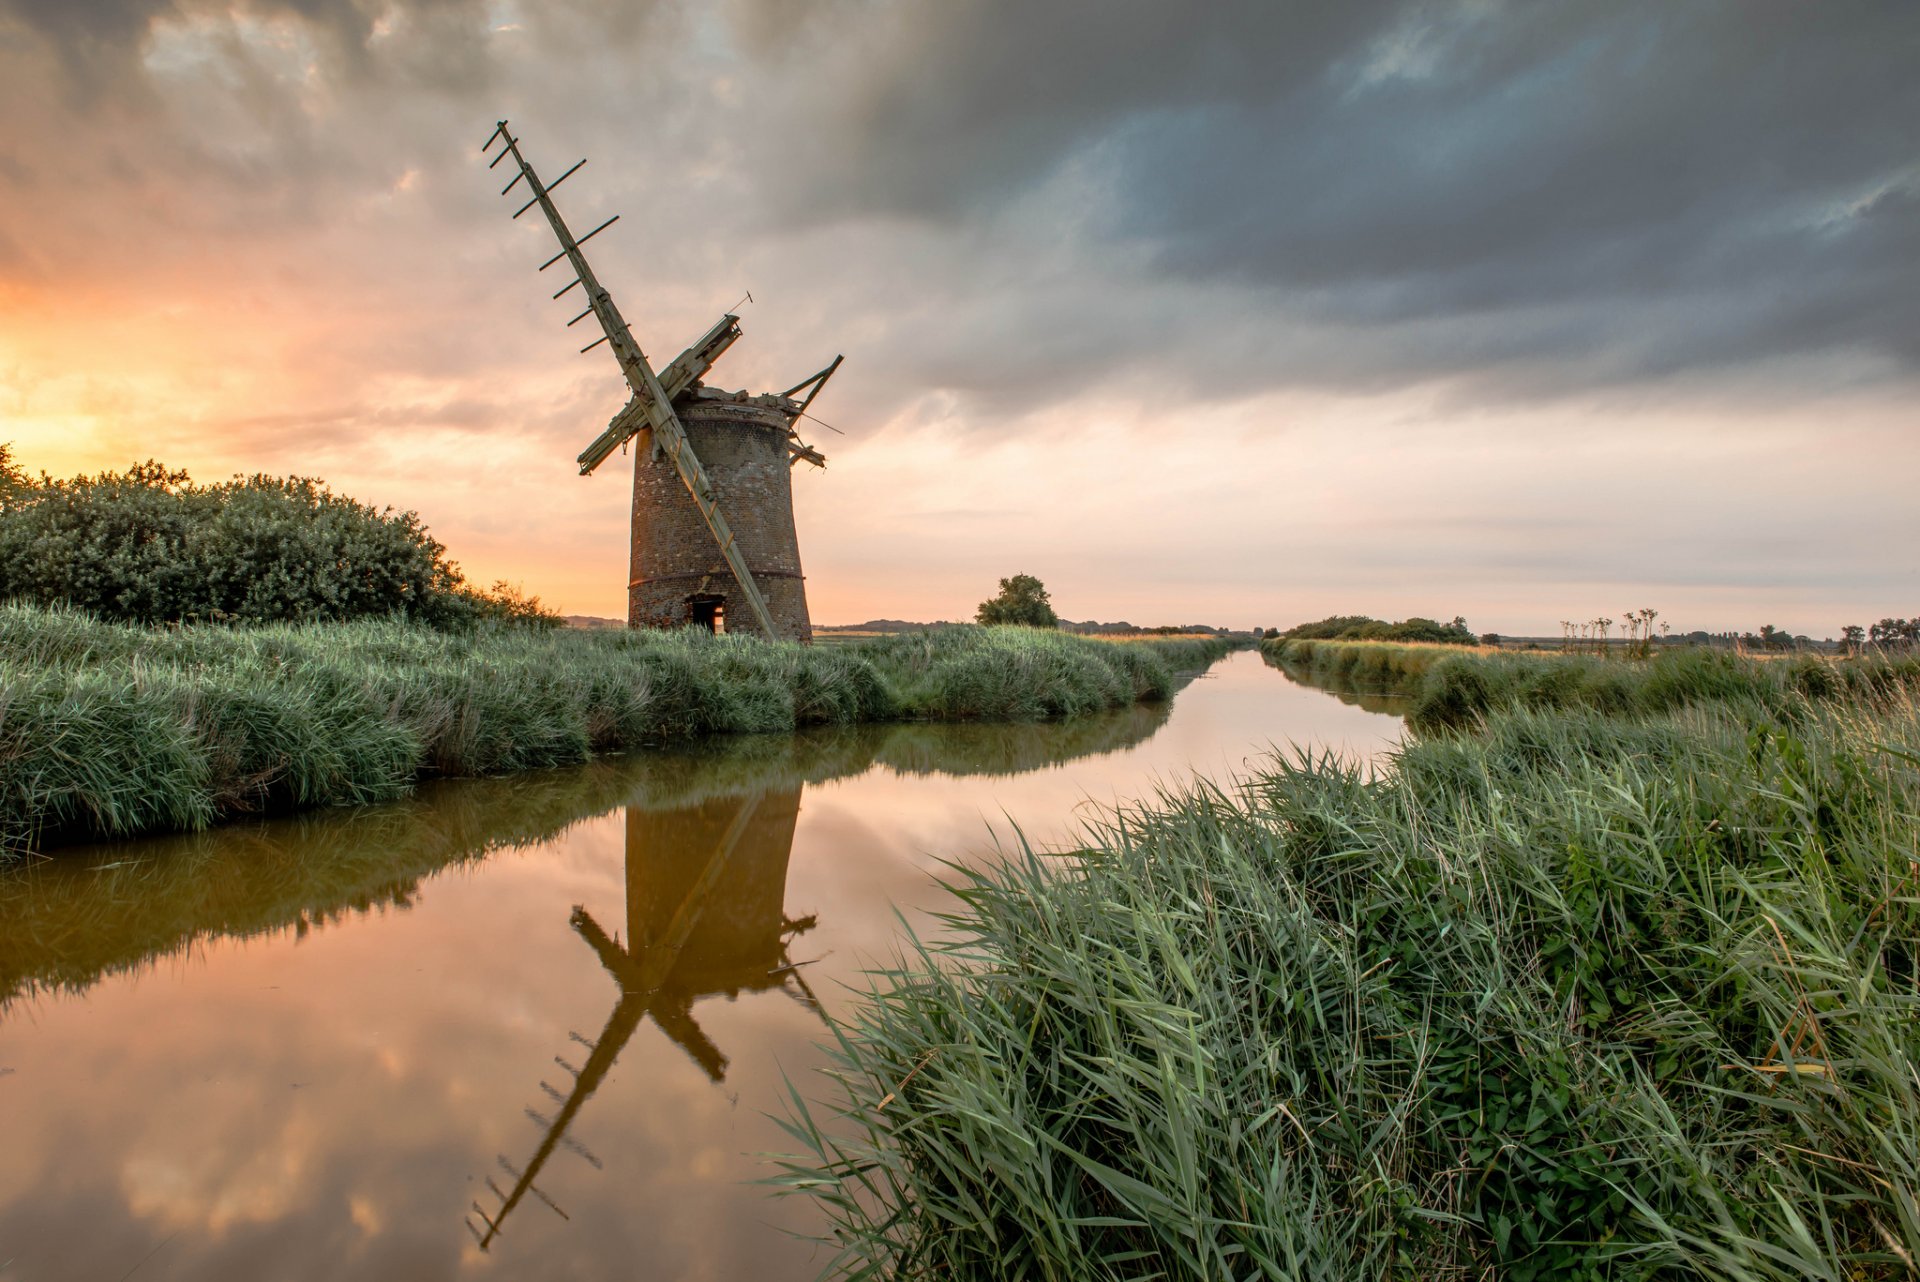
[[1244, 313]]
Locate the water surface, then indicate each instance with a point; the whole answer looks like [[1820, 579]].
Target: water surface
[[520, 1028]]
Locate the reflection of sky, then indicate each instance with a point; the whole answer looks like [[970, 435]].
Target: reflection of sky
[[331, 1105]]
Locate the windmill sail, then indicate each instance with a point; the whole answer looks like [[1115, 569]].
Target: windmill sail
[[652, 404]]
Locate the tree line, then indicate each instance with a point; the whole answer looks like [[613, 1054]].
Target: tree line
[[1360, 627]]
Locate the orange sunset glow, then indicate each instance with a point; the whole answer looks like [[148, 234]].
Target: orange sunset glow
[[1132, 333]]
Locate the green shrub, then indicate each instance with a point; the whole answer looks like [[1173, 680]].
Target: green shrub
[[149, 546]]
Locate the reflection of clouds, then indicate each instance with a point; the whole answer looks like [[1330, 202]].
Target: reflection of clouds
[[161, 1102], [190, 1178], [366, 1215]]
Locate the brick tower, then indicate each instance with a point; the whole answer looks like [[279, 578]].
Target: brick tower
[[679, 576], [713, 538]]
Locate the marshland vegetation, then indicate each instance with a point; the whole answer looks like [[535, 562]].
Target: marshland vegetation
[[173, 653], [117, 729], [1614, 971], [1448, 687]]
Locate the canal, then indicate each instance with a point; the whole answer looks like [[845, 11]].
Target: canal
[[533, 1027]]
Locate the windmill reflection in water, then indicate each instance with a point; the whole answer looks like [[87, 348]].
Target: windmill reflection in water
[[706, 891]]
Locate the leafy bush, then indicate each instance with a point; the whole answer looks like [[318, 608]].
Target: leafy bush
[[148, 545]]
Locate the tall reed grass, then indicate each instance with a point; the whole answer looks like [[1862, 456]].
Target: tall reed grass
[[1451, 689], [112, 730], [1579, 995]]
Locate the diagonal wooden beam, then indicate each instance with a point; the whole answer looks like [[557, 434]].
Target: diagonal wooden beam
[[651, 398]]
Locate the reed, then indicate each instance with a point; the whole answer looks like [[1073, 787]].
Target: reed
[[112, 730], [1580, 994], [1449, 688]]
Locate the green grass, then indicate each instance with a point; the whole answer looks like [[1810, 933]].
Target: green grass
[[1450, 689], [113, 730], [1582, 993], [112, 909]]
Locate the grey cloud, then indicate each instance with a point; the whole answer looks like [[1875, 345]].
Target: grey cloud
[[1672, 182], [1524, 200]]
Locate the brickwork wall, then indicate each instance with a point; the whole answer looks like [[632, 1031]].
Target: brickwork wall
[[744, 449]]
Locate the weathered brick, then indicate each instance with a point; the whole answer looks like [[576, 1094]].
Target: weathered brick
[[675, 558]]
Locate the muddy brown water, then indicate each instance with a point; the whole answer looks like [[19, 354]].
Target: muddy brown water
[[521, 1028]]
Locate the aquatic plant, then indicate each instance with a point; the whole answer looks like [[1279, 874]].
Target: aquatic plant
[[1578, 995]]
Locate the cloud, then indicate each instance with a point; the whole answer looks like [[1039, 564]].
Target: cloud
[[1526, 200], [260, 233], [1670, 190]]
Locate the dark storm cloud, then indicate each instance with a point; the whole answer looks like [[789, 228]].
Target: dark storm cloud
[[1626, 189], [1524, 200]]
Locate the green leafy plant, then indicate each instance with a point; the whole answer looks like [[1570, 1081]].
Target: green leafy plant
[[1022, 600], [148, 545]]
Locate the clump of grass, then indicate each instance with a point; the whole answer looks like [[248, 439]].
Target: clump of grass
[[968, 673], [1575, 996], [111, 730]]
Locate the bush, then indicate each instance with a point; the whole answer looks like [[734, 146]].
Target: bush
[[150, 546]]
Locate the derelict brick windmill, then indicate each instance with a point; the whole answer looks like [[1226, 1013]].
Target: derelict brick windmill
[[713, 535]]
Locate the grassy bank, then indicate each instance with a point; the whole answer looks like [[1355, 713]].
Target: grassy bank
[[1447, 687], [1580, 994], [112, 730], [66, 923]]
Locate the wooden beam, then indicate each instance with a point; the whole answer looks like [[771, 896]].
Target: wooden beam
[[668, 434], [686, 369]]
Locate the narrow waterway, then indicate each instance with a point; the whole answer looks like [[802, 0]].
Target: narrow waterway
[[521, 1028]]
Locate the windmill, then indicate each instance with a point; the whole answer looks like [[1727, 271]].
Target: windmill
[[705, 897], [713, 492]]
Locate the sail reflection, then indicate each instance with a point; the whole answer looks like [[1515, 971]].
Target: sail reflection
[[708, 841], [706, 886], [70, 920]]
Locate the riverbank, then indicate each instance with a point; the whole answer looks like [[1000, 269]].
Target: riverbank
[[1453, 687], [111, 730], [1626, 992]]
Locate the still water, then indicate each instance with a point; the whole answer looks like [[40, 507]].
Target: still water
[[519, 1028]]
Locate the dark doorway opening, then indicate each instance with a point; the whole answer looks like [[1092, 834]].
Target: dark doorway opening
[[705, 610]]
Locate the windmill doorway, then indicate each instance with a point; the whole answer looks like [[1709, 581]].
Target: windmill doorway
[[706, 610]]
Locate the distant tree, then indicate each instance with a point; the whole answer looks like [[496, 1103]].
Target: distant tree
[[1489, 638], [1851, 638], [1360, 627], [1023, 600], [1773, 638]]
